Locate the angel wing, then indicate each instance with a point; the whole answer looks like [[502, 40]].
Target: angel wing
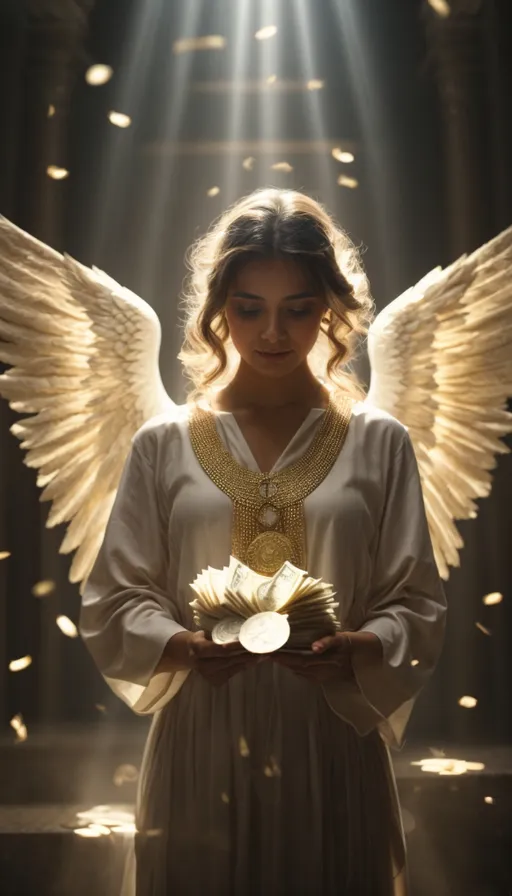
[[441, 359], [84, 356]]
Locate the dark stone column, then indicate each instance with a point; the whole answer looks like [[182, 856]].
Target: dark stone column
[[457, 59]]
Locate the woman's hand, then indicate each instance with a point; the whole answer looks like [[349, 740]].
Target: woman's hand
[[329, 658], [217, 663]]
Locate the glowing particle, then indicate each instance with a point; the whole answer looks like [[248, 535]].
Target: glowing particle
[[206, 42], [119, 119], [248, 163], [98, 74], [4, 555], [267, 32], [441, 7], [282, 166], [22, 663], [482, 628], [415, 662], [213, 191], [20, 728], [51, 111], [43, 588], [468, 702], [243, 747], [489, 800], [491, 599], [342, 156], [225, 798], [447, 766], [315, 84], [100, 707], [57, 173], [125, 774], [350, 182], [271, 80], [67, 627]]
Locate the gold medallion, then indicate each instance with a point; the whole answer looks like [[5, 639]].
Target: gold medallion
[[268, 551]]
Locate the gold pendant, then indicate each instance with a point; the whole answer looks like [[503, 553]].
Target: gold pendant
[[267, 552]]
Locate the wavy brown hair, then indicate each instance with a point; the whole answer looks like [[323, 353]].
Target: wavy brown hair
[[273, 223]]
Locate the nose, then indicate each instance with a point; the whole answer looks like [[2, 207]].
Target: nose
[[273, 329]]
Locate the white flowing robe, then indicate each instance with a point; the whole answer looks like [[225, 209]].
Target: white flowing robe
[[254, 782]]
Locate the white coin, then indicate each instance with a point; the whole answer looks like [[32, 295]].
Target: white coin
[[264, 632], [227, 630]]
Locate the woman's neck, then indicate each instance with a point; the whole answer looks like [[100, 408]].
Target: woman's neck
[[248, 389]]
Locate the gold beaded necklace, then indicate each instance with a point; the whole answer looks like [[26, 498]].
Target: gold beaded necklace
[[268, 508]]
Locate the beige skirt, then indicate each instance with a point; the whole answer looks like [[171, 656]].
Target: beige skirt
[[257, 788]]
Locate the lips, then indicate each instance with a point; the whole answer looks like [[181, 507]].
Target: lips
[[287, 352]]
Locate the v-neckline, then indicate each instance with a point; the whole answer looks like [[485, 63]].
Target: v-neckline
[[285, 449]]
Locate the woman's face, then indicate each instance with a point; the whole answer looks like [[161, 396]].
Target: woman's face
[[274, 315]]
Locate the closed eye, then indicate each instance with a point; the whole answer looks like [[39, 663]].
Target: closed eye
[[253, 312]]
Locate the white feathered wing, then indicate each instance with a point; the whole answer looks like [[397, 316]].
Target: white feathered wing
[[84, 356], [441, 360]]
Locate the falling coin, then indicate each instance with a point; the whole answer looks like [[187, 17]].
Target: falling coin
[[227, 630], [264, 632]]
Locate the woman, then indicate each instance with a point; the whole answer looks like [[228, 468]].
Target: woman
[[266, 777]]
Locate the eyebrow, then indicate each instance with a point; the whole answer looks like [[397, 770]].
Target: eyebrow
[[297, 295]]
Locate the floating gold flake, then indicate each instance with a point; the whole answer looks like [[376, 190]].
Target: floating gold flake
[[468, 702], [243, 747], [206, 42], [489, 800], [125, 774], [20, 728], [439, 754], [154, 832], [43, 588], [22, 663], [224, 797], [271, 80], [248, 163], [98, 74], [119, 119], [4, 555], [445, 766], [350, 182], [491, 599], [272, 770], [267, 32], [57, 173], [67, 627], [100, 707], [282, 166], [51, 111], [342, 156], [315, 84], [415, 662], [213, 191], [441, 7], [482, 628]]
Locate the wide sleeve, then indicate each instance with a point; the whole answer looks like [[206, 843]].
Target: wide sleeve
[[405, 608], [127, 615]]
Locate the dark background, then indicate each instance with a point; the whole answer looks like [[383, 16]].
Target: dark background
[[424, 104]]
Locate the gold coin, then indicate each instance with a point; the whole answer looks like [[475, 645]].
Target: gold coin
[[268, 551]]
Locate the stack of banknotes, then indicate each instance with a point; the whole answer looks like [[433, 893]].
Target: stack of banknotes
[[264, 613]]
